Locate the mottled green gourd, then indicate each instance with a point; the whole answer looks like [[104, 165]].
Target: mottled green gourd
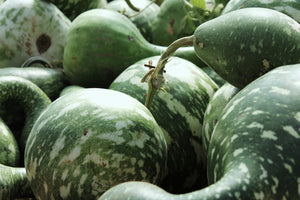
[[246, 43], [214, 109], [102, 43], [89, 140], [9, 150], [73, 8], [289, 7], [32, 99], [253, 152], [179, 111], [143, 18], [14, 183], [31, 28]]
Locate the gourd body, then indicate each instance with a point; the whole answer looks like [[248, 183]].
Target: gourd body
[[102, 43], [245, 44], [31, 28], [253, 153], [88, 140], [179, 111], [290, 8]]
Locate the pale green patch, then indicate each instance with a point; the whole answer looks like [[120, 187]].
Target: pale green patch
[[72, 156], [297, 116], [253, 48], [255, 125], [32, 169], [280, 91], [298, 181], [12, 148], [243, 167], [64, 191], [288, 167], [264, 173], [57, 147], [139, 139], [269, 135], [291, 131], [235, 136], [64, 174], [259, 195], [93, 157], [257, 112], [121, 125], [254, 91], [237, 152], [141, 163], [45, 187], [77, 171], [115, 137], [275, 186], [66, 109]]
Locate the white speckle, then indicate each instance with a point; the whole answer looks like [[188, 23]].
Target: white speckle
[[269, 135], [58, 145], [32, 169], [93, 157], [297, 116], [259, 196], [76, 172], [64, 174], [257, 112], [45, 187], [114, 137], [288, 167], [72, 156], [120, 125], [234, 137], [237, 152], [274, 187], [281, 91], [141, 163], [254, 91], [139, 139], [243, 167], [291, 131], [264, 173], [255, 125], [228, 112], [64, 191], [208, 109]]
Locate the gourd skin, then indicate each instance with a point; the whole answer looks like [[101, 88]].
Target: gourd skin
[[179, 111], [101, 43], [290, 8], [244, 44], [89, 140], [31, 28], [253, 153]]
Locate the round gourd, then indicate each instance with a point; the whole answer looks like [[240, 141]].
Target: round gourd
[[246, 43], [290, 7], [254, 149], [102, 43], [31, 28], [179, 111], [89, 140]]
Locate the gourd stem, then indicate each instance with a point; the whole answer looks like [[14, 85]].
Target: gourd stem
[[132, 6], [37, 61], [156, 79]]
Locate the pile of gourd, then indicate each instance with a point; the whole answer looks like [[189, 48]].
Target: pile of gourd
[[148, 100]]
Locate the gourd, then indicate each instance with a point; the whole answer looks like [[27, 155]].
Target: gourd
[[290, 8], [14, 183], [180, 112], [27, 94], [102, 43], [143, 18], [31, 28], [246, 43], [253, 152], [73, 8], [90, 139], [213, 110], [240, 46]]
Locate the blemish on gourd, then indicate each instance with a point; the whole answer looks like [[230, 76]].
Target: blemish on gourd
[[43, 43]]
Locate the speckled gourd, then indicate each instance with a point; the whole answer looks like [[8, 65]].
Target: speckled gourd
[[179, 111], [289, 7], [31, 28], [253, 152], [246, 43], [88, 140]]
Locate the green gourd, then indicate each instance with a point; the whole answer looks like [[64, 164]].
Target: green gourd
[[102, 43], [290, 8], [31, 28], [254, 148], [180, 112], [90, 139], [143, 18]]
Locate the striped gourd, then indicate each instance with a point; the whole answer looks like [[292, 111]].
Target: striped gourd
[[213, 110], [31, 28], [253, 152], [89, 140], [179, 111]]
